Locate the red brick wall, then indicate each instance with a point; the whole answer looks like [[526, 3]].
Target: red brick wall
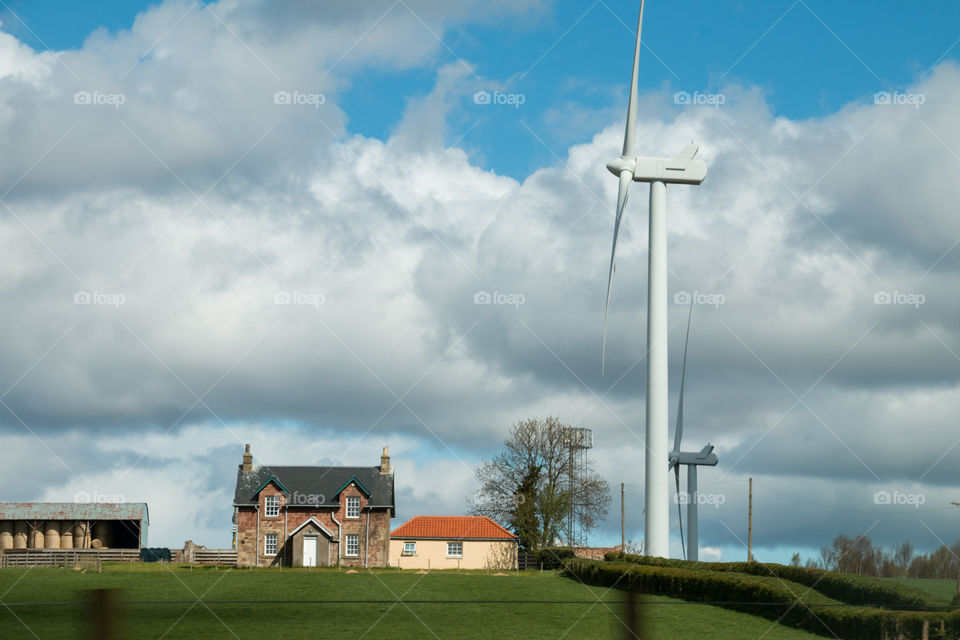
[[594, 553]]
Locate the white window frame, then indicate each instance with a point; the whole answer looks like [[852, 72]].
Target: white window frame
[[410, 548], [271, 506], [266, 544], [455, 555], [355, 539], [353, 506]]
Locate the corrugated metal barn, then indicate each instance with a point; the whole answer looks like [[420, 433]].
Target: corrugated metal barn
[[73, 525]]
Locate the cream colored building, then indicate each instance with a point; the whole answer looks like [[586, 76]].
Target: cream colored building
[[453, 542]]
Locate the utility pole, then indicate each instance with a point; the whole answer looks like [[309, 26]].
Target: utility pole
[[623, 524], [957, 504], [750, 525]]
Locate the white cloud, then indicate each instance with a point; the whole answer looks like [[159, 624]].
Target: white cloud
[[395, 237]]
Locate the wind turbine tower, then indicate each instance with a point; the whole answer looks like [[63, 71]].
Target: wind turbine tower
[[681, 169]]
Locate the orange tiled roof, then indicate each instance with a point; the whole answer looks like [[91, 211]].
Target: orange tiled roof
[[452, 528]]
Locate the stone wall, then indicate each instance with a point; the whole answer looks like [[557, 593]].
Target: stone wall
[[250, 552]]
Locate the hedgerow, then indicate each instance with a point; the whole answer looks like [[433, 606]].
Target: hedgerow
[[850, 589], [759, 595], [553, 557]]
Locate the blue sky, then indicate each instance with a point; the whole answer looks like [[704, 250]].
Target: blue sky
[[199, 198], [811, 57]]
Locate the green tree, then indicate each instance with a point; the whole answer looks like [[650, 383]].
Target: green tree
[[523, 517]]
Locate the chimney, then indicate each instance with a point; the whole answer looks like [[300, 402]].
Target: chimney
[[385, 462], [247, 466]]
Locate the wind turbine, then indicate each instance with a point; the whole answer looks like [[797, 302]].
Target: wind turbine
[[704, 457], [682, 169]]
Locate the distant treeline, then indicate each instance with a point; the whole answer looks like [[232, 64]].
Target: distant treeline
[[858, 555]]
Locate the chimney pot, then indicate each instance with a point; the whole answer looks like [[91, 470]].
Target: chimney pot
[[385, 462]]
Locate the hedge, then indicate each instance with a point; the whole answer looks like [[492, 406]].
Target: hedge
[[851, 589], [759, 596], [553, 557]]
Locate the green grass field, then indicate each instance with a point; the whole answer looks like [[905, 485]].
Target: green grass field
[[429, 606], [941, 588]]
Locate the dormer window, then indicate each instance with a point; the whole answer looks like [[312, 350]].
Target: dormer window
[[353, 507], [272, 504]]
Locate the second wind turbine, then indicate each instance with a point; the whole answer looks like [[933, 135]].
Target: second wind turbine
[[682, 169]]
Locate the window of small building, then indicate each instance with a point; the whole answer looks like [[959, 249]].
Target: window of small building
[[270, 544], [353, 507], [409, 548], [273, 506], [353, 544], [454, 549]]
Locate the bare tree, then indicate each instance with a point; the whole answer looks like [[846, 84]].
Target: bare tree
[[526, 487]]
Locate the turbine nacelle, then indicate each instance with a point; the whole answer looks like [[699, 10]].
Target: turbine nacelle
[[683, 168], [704, 457]]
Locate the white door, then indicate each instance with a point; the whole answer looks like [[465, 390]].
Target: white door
[[310, 551]]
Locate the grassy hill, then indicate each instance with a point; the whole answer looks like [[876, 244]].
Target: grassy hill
[[943, 589], [163, 602]]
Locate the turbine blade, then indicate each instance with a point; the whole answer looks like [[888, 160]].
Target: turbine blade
[[626, 177], [678, 432], [630, 137]]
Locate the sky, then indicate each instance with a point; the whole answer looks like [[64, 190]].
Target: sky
[[242, 222]]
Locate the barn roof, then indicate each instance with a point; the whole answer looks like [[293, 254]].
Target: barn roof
[[452, 528], [315, 486], [74, 511]]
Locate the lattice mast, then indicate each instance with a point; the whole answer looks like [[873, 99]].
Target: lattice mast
[[579, 440]]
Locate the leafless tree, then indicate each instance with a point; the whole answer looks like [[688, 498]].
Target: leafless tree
[[526, 486]]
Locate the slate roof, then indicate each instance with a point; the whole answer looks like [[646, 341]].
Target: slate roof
[[315, 486], [452, 528], [74, 511]]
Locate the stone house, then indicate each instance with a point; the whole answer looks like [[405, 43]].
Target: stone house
[[313, 516], [453, 542]]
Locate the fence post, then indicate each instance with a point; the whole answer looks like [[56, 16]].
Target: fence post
[[102, 614]]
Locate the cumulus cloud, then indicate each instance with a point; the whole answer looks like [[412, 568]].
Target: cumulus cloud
[[202, 265]]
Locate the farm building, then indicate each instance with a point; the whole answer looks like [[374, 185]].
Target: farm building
[[313, 516], [73, 525], [453, 542]]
